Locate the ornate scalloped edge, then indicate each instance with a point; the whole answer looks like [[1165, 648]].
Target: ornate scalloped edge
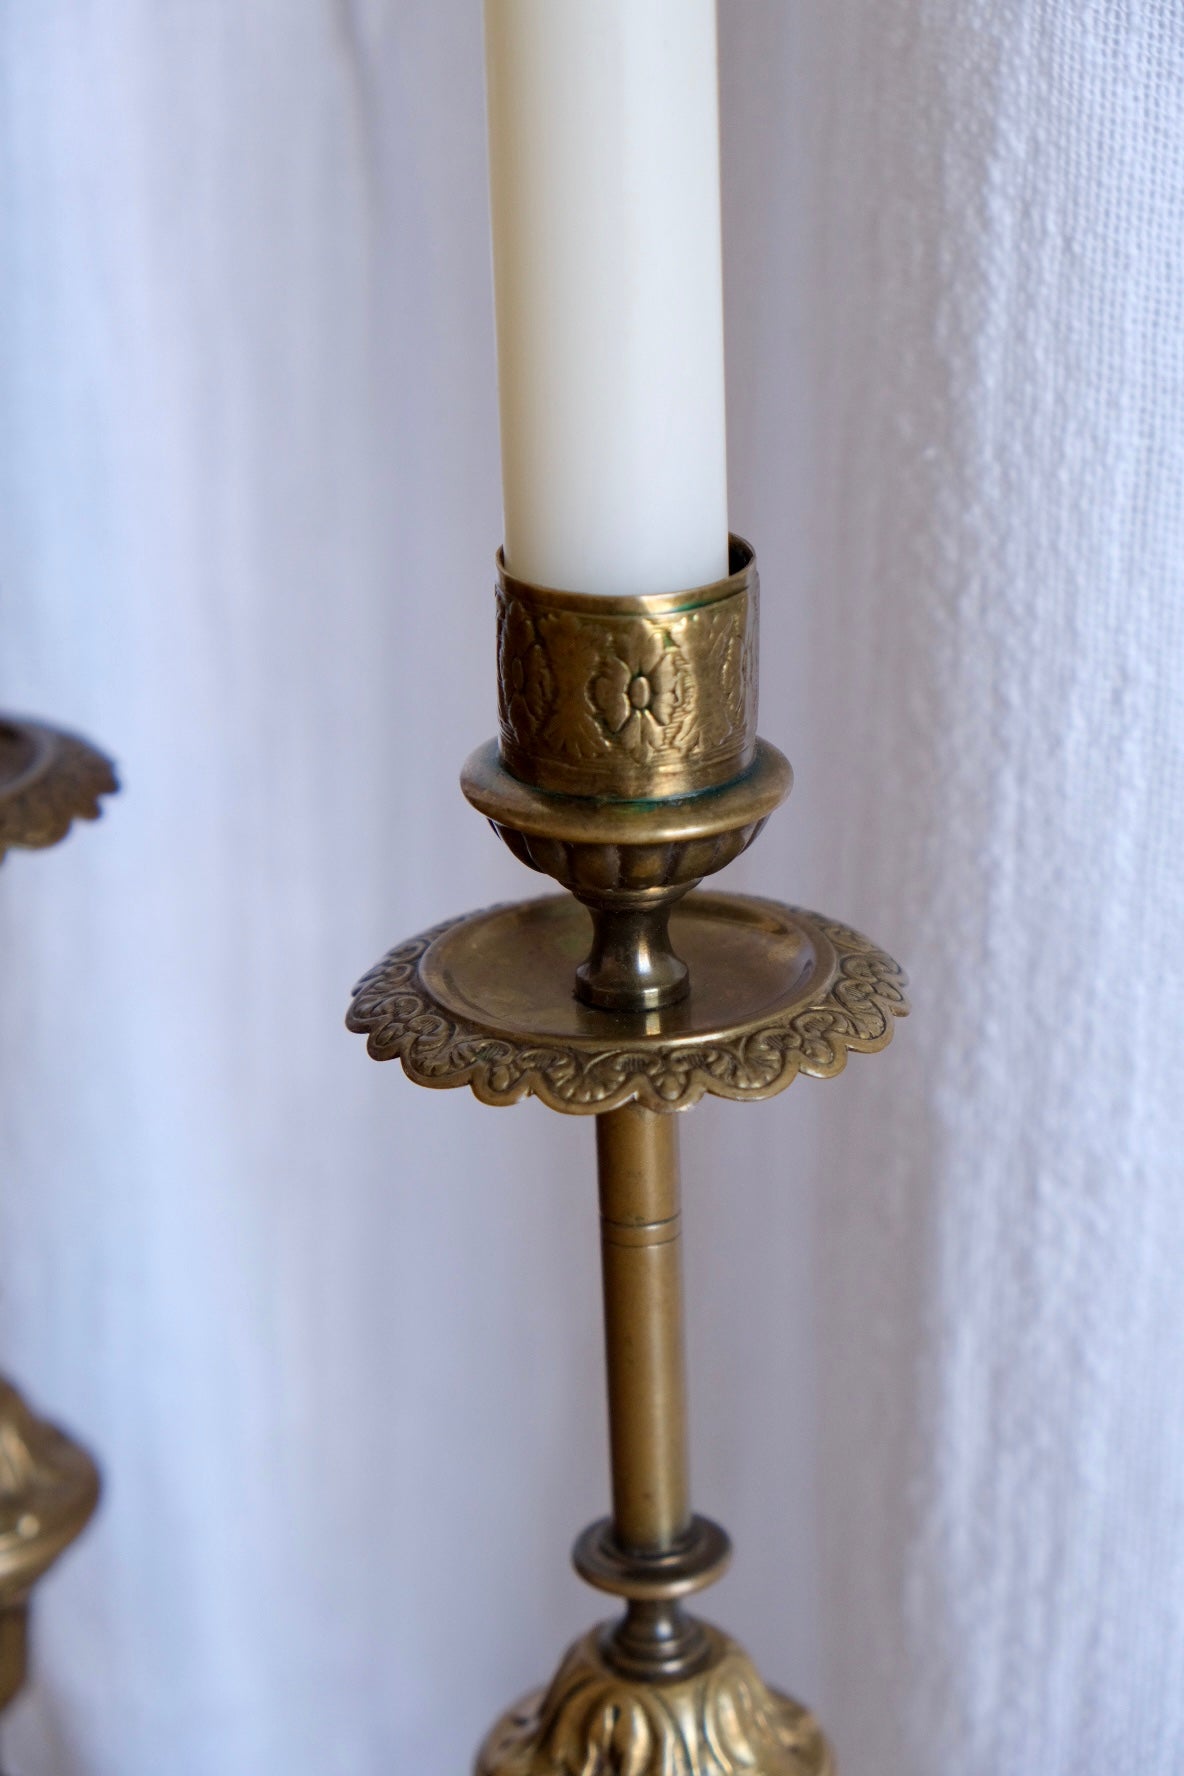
[[61, 787], [401, 1020]]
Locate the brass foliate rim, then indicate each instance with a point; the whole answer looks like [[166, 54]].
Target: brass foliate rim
[[48, 779], [520, 807], [851, 1009]]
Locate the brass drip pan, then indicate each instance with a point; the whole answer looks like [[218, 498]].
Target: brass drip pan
[[487, 1001], [48, 780]]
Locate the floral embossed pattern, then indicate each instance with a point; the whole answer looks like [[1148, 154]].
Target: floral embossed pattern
[[640, 689], [625, 703], [402, 1020]]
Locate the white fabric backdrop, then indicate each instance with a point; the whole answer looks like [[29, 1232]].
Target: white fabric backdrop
[[336, 1339]]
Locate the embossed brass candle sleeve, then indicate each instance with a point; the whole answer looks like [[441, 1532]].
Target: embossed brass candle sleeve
[[624, 698], [627, 768]]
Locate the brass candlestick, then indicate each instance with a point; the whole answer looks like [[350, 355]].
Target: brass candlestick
[[629, 768], [49, 1485]]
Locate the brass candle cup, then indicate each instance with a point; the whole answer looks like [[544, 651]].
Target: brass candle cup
[[628, 765]]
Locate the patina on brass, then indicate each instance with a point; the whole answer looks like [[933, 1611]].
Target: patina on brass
[[48, 779], [628, 769]]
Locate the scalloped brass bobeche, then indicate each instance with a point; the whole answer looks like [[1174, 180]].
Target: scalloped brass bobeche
[[48, 780], [486, 1001]]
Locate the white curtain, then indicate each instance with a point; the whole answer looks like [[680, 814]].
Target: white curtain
[[335, 1339]]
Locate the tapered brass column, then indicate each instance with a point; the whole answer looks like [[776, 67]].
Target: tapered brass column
[[641, 1257], [641, 1251]]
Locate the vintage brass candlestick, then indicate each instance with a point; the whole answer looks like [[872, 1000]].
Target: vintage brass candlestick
[[49, 1485], [629, 768]]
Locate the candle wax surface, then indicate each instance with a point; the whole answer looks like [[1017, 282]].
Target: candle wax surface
[[604, 172]]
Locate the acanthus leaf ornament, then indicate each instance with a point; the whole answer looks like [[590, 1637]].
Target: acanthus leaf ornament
[[723, 1722]]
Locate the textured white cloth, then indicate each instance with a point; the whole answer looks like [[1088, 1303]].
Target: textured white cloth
[[336, 1339]]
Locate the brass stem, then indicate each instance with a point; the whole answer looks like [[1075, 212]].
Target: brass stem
[[631, 966], [641, 1248], [14, 1649]]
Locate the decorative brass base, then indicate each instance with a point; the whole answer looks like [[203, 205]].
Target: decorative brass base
[[723, 1721], [49, 1487]]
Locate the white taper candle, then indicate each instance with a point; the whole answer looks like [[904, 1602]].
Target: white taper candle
[[604, 172]]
